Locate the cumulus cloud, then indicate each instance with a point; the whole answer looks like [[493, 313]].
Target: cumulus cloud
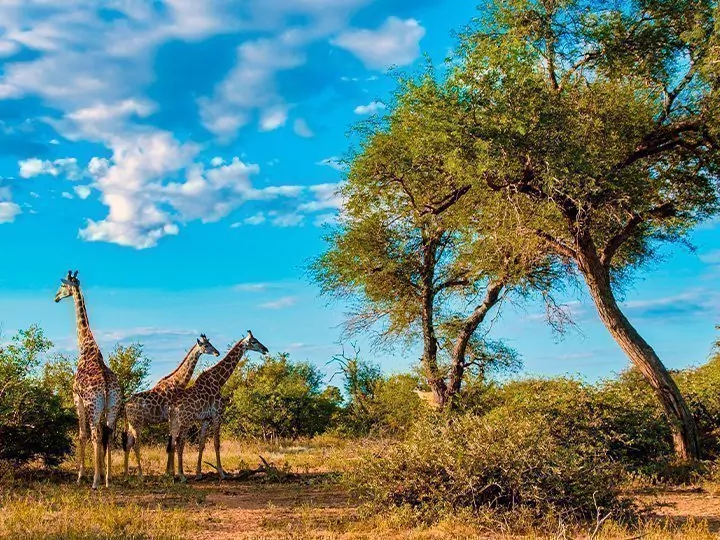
[[371, 108], [8, 211], [38, 167], [396, 42]]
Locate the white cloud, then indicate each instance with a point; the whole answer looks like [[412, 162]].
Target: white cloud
[[54, 141], [66, 195], [252, 287], [288, 220], [282, 302], [327, 197], [37, 167], [333, 162], [325, 219], [217, 161], [371, 108], [302, 129], [8, 211], [255, 219], [396, 42], [273, 118], [82, 192]]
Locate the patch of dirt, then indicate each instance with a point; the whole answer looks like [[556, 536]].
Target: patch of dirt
[[269, 511], [683, 505]]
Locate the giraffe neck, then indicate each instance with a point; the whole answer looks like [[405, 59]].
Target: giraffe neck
[[183, 373], [220, 372], [86, 340]]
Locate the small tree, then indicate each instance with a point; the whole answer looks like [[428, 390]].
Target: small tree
[[33, 422], [132, 368], [414, 269]]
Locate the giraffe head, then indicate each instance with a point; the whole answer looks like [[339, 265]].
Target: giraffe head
[[254, 345], [68, 286], [206, 347]]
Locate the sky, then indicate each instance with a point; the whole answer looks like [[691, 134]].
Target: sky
[[184, 156]]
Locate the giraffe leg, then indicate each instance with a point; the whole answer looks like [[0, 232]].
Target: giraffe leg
[[97, 453], [82, 435], [201, 446], [136, 448], [216, 440], [113, 404], [180, 446]]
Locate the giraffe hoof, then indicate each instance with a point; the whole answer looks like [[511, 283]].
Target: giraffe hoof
[[198, 477], [222, 475]]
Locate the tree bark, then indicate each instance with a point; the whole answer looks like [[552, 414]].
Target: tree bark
[[641, 354]]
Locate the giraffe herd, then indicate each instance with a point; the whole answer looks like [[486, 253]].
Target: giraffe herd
[[99, 401]]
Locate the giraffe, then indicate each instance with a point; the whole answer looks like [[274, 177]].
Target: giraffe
[[202, 403], [96, 391], [151, 406]]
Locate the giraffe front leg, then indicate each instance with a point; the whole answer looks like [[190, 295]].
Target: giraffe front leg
[[83, 435], [201, 446], [216, 440]]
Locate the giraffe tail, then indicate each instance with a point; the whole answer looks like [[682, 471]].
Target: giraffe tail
[[124, 435], [106, 433]]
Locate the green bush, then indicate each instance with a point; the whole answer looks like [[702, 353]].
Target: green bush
[[34, 424], [495, 462], [279, 398]]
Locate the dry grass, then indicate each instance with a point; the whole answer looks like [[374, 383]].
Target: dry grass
[[313, 505]]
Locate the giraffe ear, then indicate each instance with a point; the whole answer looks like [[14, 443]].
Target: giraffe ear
[[198, 342]]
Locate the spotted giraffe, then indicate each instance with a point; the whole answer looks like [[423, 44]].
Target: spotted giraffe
[[201, 403], [96, 390], [152, 406]]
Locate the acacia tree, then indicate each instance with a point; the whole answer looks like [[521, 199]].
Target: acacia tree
[[415, 270], [598, 123]]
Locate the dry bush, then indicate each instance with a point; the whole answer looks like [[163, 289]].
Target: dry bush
[[493, 465]]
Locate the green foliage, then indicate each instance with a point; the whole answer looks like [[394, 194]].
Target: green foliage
[[58, 374], [131, 366], [279, 398], [34, 424], [495, 462]]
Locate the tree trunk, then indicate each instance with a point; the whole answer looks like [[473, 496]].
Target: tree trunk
[[682, 423], [457, 369], [430, 345]]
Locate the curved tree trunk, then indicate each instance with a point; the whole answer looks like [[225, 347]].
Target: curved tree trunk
[[642, 355]]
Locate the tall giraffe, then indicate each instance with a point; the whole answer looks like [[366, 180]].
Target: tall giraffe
[[96, 391], [202, 403], [152, 406]]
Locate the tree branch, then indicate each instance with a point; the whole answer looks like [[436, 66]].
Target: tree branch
[[631, 225], [437, 208], [558, 245]]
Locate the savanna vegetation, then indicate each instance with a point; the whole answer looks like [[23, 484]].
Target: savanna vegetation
[[560, 148]]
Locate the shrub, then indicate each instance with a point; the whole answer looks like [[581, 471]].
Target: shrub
[[280, 398], [33, 422], [494, 462]]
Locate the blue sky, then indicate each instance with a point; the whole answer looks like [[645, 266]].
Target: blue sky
[[183, 156]]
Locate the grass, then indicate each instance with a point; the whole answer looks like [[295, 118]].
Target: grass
[[312, 505]]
